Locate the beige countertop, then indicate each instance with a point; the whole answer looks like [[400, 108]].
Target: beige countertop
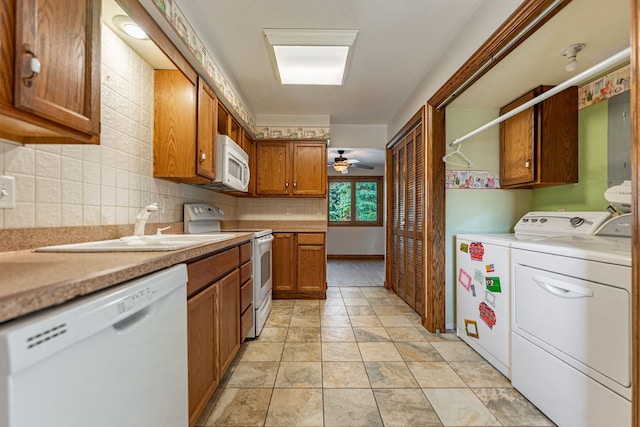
[[31, 281]]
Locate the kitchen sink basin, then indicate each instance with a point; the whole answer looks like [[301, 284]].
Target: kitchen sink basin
[[164, 242]]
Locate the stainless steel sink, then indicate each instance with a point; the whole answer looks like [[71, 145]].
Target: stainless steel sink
[[164, 242]]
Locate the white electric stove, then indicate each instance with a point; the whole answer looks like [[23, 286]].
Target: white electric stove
[[201, 218]]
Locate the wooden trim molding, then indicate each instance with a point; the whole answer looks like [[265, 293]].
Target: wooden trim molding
[[635, 182]]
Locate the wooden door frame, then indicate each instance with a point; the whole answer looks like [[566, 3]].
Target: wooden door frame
[[635, 180]]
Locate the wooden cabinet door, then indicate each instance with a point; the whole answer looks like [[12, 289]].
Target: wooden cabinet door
[[64, 36], [206, 151], [272, 168], [204, 373], [309, 169], [311, 264], [229, 318], [517, 144], [282, 261]]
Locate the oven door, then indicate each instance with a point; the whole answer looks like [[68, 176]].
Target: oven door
[[262, 270]]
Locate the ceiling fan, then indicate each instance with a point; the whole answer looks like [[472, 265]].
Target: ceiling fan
[[341, 164]]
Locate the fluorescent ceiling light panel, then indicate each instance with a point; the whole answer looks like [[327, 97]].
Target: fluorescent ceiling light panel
[[310, 57]]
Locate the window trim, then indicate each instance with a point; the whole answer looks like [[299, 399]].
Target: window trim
[[355, 179]]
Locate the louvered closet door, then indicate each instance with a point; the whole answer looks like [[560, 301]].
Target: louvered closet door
[[407, 199]]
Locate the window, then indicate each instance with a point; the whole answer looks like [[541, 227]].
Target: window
[[355, 200]]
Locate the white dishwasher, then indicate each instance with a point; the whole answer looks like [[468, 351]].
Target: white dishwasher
[[114, 358]]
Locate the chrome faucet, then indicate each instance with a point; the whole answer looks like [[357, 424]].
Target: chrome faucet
[[142, 217]]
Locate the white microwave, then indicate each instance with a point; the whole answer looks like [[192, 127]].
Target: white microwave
[[232, 166]]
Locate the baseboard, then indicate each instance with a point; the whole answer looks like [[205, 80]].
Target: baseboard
[[356, 257]]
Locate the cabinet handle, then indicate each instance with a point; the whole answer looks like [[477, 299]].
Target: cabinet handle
[[34, 66], [295, 184], [527, 164], [203, 156], [286, 184]]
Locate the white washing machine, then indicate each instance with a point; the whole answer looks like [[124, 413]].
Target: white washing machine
[[483, 279], [571, 328]]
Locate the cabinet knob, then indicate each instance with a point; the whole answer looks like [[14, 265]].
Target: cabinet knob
[[295, 184], [34, 66], [527, 164], [203, 156], [286, 184]]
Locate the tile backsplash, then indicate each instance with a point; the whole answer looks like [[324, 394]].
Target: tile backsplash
[[108, 184]]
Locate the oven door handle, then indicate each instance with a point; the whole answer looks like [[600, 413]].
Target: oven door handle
[[560, 288], [264, 240]]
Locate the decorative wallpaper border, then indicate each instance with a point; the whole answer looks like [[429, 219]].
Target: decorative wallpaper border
[[605, 87], [181, 26], [471, 180]]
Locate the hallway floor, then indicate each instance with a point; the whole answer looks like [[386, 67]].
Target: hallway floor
[[362, 358]]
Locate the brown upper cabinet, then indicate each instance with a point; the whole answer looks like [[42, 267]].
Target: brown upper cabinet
[[291, 168], [184, 131], [227, 125], [50, 67], [539, 146]]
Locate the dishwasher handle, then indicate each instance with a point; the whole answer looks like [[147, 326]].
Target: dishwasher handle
[[560, 288], [130, 321]]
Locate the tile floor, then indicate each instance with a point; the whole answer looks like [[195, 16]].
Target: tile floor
[[362, 358]]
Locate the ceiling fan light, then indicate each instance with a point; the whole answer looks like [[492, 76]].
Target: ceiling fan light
[[340, 165]]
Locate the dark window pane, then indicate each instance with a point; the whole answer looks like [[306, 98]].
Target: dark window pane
[[339, 201], [367, 201]]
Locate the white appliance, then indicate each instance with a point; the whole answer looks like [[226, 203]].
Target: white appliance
[[571, 329], [114, 358], [483, 279], [203, 218], [232, 166]]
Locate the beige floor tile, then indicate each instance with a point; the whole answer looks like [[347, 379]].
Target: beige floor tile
[[459, 407], [350, 407], [480, 374], [360, 310], [353, 291], [405, 407], [435, 374], [302, 352], [333, 309], [306, 310], [456, 352], [365, 321], [344, 375], [299, 375], [305, 321], [378, 300], [278, 320], [262, 352], [240, 407], [338, 334], [332, 300], [303, 335], [394, 320], [339, 321], [387, 310], [295, 407], [390, 375], [357, 301], [404, 334], [371, 333], [379, 352], [340, 352], [443, 337], [272, 335], [418, 352], [253, 375], [511, 407]]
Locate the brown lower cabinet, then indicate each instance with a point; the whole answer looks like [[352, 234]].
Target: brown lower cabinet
[[299, 265], [213, 321]]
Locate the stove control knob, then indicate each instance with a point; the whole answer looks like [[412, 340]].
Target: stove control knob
[[576, 221], [525, 219], [534, 219], [543, 220]]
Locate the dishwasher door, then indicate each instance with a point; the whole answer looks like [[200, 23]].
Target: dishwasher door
[[117, 358]]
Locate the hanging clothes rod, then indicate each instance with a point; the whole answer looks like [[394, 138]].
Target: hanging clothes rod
[[578, 78]]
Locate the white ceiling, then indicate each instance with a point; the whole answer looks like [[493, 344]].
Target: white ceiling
[[369, 156], [397, 43]]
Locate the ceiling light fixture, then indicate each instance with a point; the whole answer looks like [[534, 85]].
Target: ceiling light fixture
[[571, 52], [310, 57], [125, 24], [341, 165]]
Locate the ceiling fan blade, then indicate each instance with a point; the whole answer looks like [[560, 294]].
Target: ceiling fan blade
[[361, 166]]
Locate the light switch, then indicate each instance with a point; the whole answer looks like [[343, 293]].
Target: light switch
[[7, 192]]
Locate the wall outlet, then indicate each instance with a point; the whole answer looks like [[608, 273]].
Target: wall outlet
[[7, 192]]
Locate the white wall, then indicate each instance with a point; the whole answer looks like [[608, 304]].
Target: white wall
[[476, 211], [359, 136]]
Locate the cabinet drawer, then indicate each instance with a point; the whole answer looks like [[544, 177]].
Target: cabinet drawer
[[210, 269], [311, 238], [246, 322], [246, 295], [246, 271], [246, 250]]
